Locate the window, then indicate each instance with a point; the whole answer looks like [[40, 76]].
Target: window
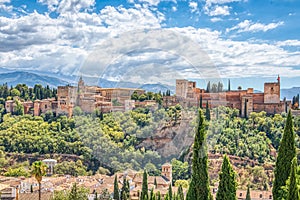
[[260, 196], [241, 194]]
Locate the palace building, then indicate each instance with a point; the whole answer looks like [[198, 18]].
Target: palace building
[[247, 101]]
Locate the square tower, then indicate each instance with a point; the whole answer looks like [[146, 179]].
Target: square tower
[[272, 92]]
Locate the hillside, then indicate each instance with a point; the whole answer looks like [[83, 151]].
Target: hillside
[[290, 92], [30, 79]]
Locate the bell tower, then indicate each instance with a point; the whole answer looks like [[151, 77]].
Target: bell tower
[[166, 171]]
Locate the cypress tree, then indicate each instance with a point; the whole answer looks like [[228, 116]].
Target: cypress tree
[[116, 189], [158, 196], [125, 189], [155, 183], [293, 191], [199, 185], [170, 192], [167, 197], [200, 101], [152, 196], [208, 87], [228, 84], [207, 112], [248, 197], [227, 184], [180, 193], [286, 153], [144, 194]]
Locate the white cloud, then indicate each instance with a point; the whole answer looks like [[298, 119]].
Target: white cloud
[[4, 6], [39, 42], [211, 2], [215, 19], [151, 2], [193, 6], [288, 43], [174, 8], [219, 10], [64, 6], [249, 26]]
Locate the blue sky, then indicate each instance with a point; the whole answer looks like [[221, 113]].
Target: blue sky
[[239, 39]]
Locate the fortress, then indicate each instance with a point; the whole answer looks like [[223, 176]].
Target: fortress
[[187, 94], [90, 98]]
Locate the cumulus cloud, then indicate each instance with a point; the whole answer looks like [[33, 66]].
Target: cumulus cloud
[[288, 43], [219, 10], [249, 26], [63, 6], [78, 40], [193, 6], [215, 19], [211, 2]]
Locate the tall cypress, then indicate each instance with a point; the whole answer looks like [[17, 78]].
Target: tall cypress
[[293, 191], [200, 103], [248, 197], [116, 189], [199, 185], [158, 196], [286, 153], [207, 112], [228, 84], [227, 184], [180, 193], [144, 194], [125, 189], [170, 192]]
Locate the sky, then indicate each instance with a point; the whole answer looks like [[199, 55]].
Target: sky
[[154, 41]]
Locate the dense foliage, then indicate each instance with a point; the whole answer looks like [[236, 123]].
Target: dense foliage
[[27, 93]]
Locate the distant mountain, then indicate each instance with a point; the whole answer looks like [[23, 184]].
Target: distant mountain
[[30, 79], [290, 92], [157, 87]]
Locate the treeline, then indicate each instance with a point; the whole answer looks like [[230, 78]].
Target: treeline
[[295, 102], [215, 87], [158, 97], [27, 93]]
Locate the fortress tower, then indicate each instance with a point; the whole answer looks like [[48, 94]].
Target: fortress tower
[[272, 92], [166, 171]]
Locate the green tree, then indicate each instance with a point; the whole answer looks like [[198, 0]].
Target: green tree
[[227, 184], [180, 193], [170, 192], [144, 194], [78, 193], [199, 185], [248, 197], [19, 109], [293, 190], [125, 190], [116, 189], [229, 85], [207, 112], [286, 153], [158, 196], [200, 102], [15, 92], [38, 171]]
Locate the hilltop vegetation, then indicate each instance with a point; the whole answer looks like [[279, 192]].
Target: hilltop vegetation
[[111, 142]]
